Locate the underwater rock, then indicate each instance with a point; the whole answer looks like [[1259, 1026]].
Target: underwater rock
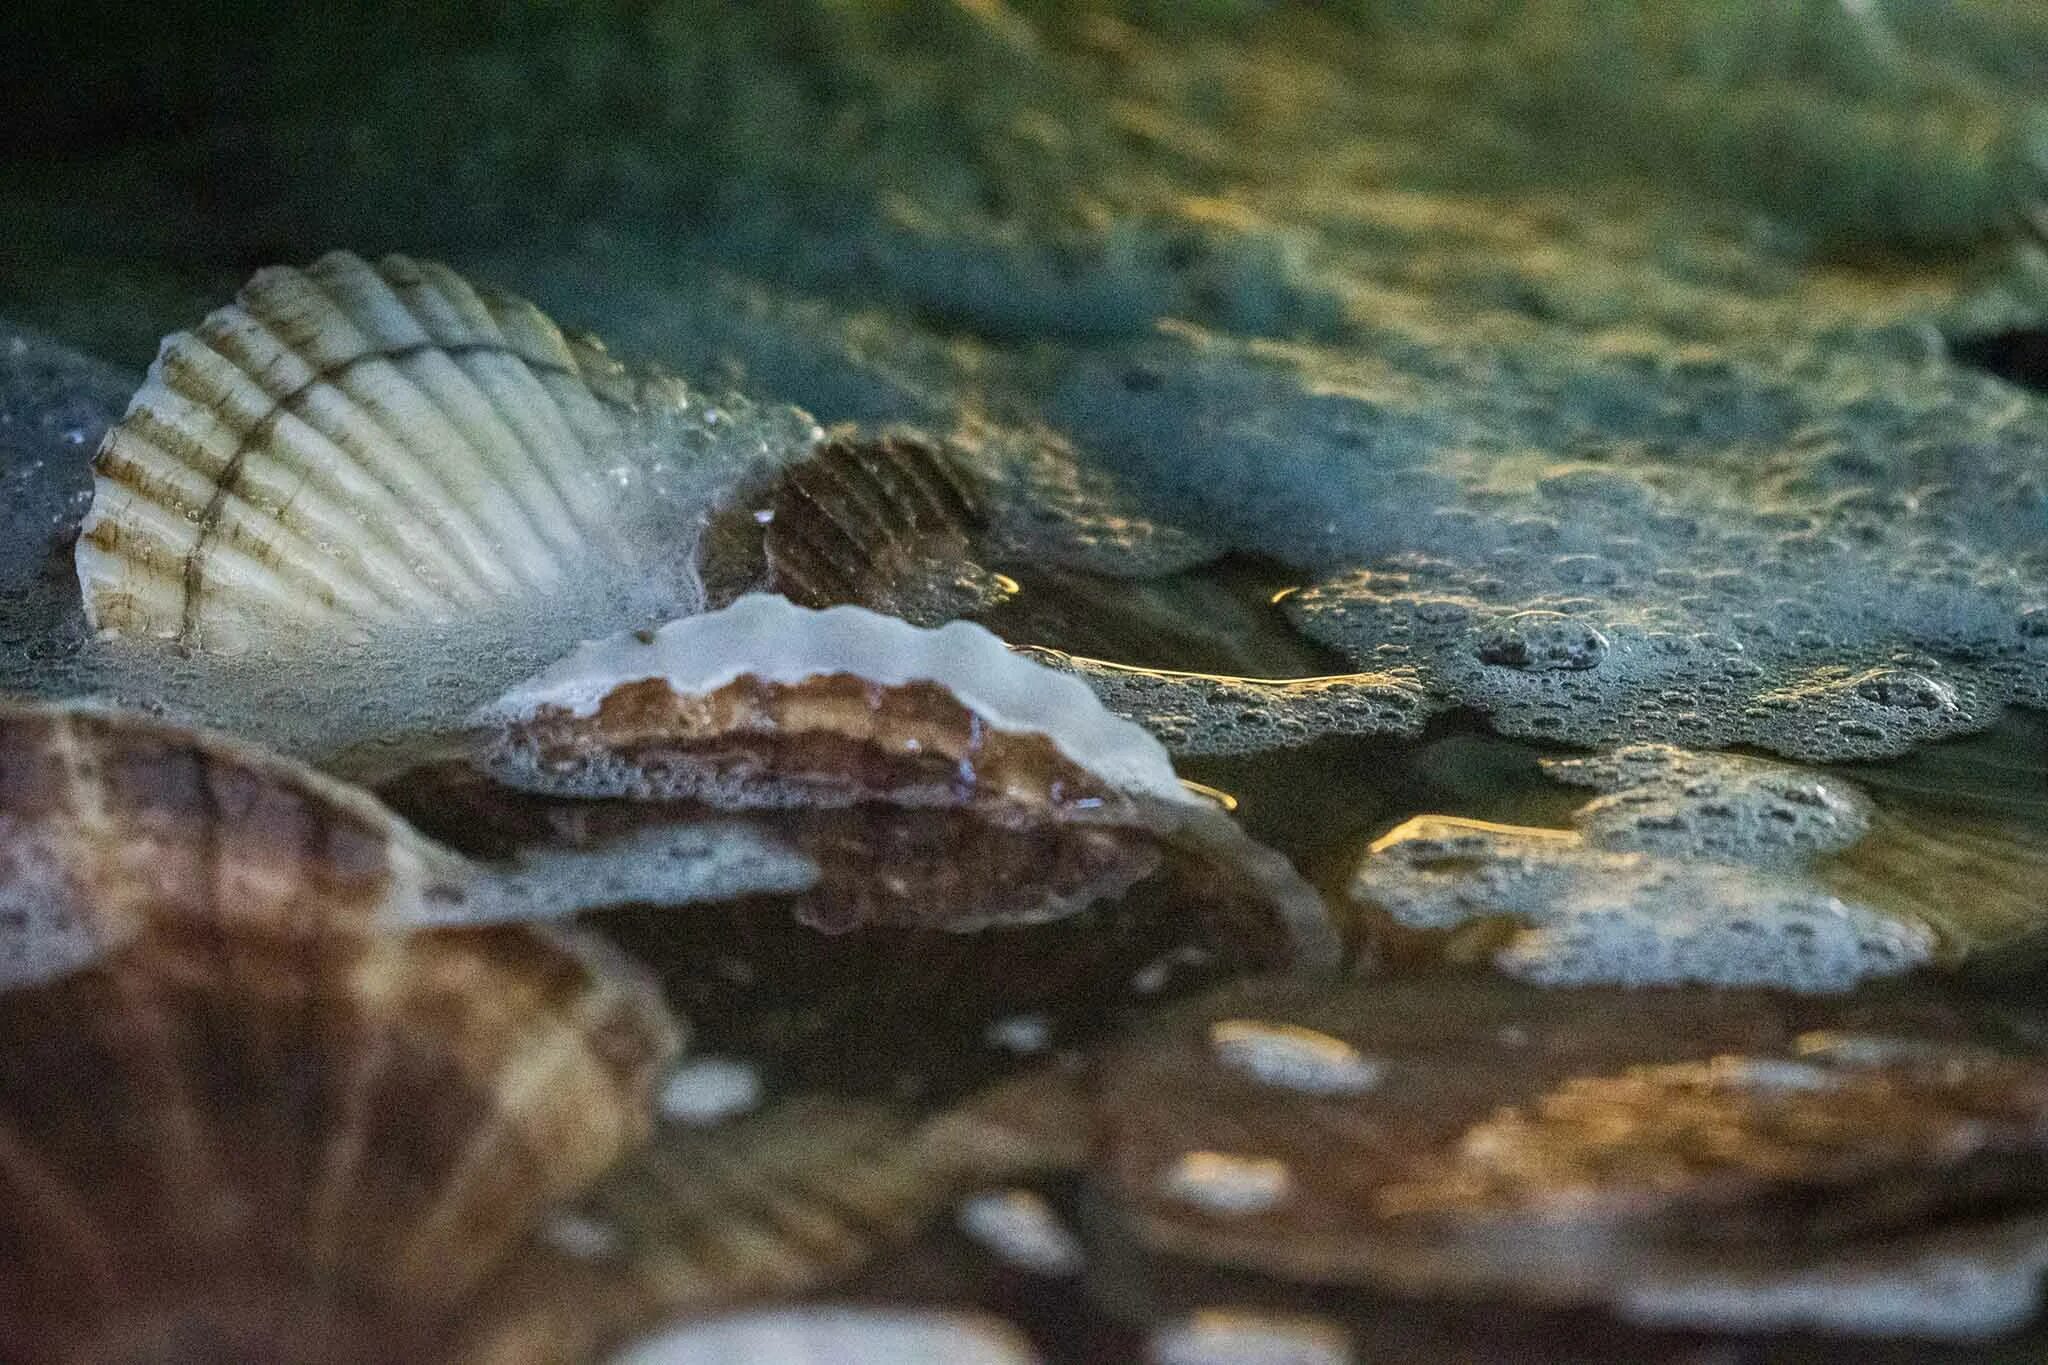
[[933, 776], [1711, 1158], [248, 1115], [1692, 867]]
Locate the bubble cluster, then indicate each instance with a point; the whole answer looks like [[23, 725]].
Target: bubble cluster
[[1715, 807], [1689, 867], [1824, 551], [1209, 714]]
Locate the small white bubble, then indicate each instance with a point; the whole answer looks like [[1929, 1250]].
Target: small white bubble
[[1294, 1058], [1152, 978], [817, 1333], [1235, 1337], [1020, 1033], [1225, 1183], [581, 1236], [708, 1090], [1022, 1228]]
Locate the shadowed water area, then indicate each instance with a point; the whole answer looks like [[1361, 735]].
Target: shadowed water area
[[1570, 479]]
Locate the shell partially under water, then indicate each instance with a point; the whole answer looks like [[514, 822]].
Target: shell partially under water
[[933, 776], [1711, 1158], [886, 522], [254, 1122], [349, 446], [114, 826]]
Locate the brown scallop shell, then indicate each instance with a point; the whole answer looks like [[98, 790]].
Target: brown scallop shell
[[1676, 1155], [933, 778], [112, 823], [249, 1122], [770, 1204], [886, 521]]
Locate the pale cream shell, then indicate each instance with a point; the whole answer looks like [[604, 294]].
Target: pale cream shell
[[351, 445]]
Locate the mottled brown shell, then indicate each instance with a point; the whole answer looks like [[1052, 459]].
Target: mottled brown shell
[[888, 522], [113, 825], [253, 1123], [1571, 1146], [834, 738]]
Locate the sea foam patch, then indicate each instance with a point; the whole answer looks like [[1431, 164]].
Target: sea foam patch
[[1690, 867]]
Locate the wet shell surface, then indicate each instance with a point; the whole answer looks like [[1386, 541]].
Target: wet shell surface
[[934, 777], [114, 826], [1711, 1158], [773, 1203], [255, 1123], [887, 522], [768, 703], [350, 446]]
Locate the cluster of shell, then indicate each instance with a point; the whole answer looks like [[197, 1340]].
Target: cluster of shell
[[288, 1079], [299, 1072]]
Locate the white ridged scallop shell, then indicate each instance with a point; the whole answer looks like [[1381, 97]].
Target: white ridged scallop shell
[[771, 639], [1029, 799], [352, 445]]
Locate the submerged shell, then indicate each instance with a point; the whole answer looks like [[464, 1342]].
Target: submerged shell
[[252, 1123], [1595, 1147], [346, 446], [770, 1204], [933, 777]]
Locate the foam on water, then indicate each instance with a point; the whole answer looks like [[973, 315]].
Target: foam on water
[[1717, 807], [1689, 867], [1215, 714], [701, 861], [1795, 549]]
